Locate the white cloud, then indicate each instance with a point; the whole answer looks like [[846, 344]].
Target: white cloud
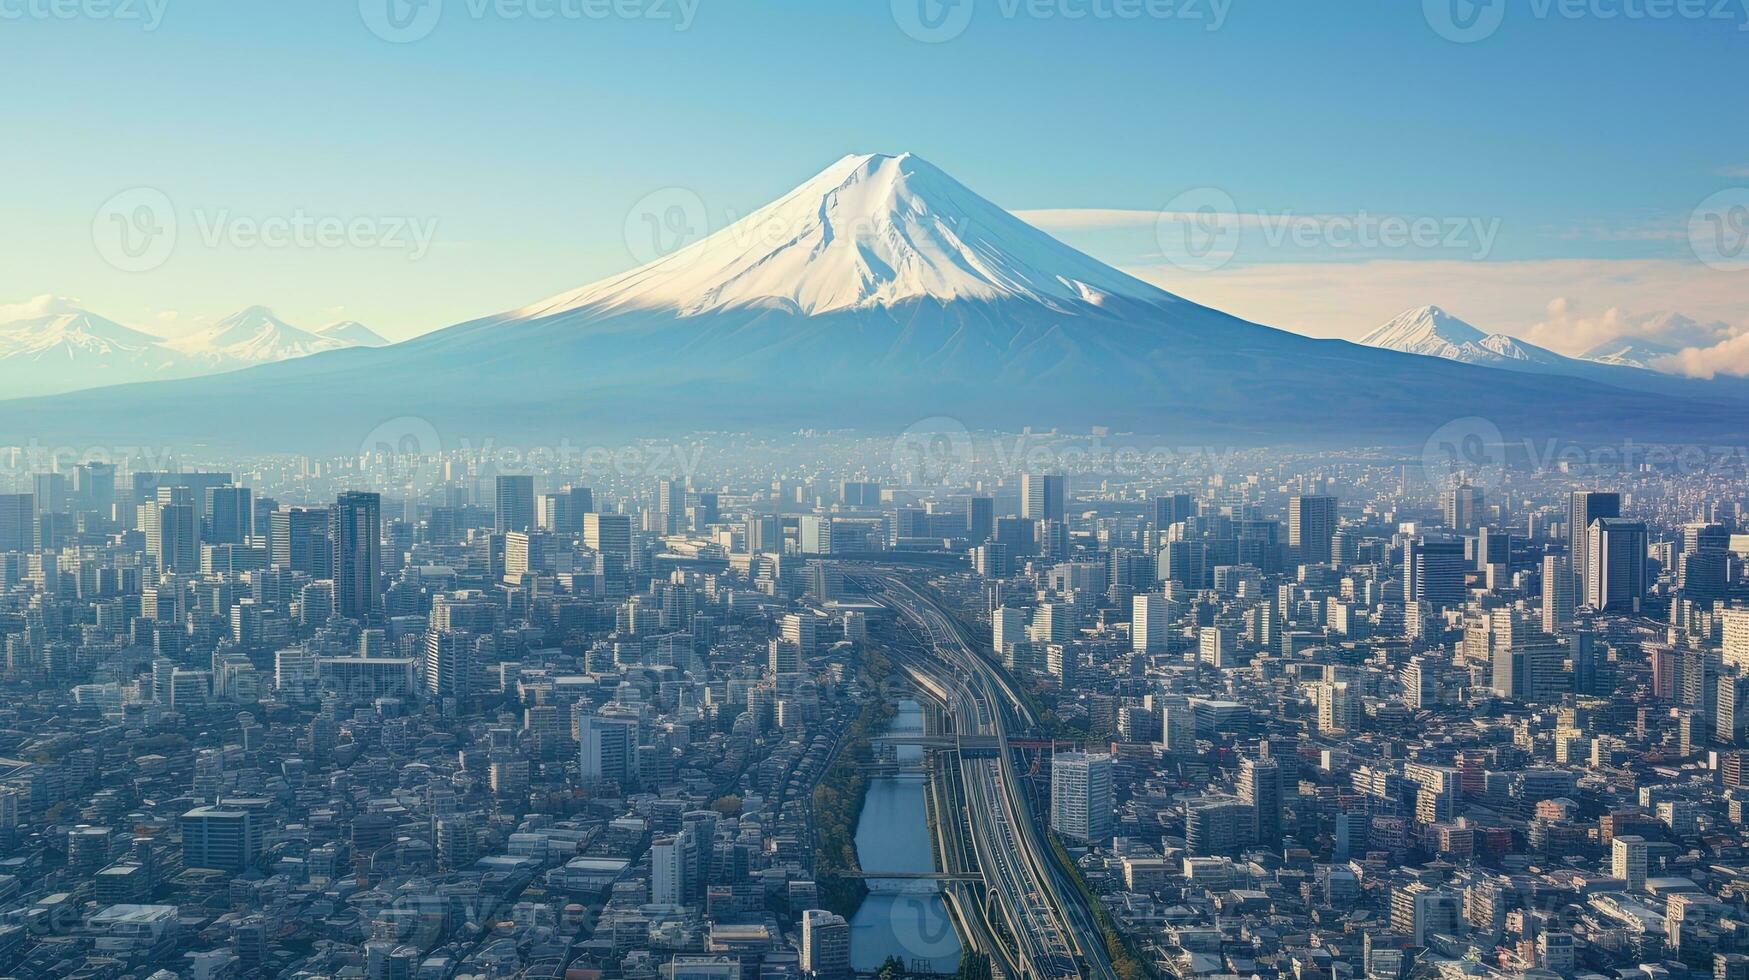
[[1737, 171], [1728, 356], [1566, 328]]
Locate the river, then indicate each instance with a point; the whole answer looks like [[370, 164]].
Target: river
[[903, 918]]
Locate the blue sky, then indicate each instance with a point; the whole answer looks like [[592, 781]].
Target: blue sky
[[1574, 142]]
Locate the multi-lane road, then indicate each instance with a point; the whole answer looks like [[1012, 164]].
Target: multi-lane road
[[1027, 901]]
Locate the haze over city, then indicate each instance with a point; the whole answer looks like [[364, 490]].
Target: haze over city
[[1027, 489]]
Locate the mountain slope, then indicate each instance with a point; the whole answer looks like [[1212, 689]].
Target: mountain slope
[[50, 344], [253, 335], [879, 293], [1432, 332]]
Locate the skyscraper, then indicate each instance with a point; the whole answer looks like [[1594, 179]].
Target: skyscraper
[[825, 944], [1462, 507], [1615, 572], [1433, 573], [299, 541], [355, 536], [17, 521], [980, 519], [230, 515], [1149, 615], [1260, 786], [515, 503], [1043, 498], [1311, 523], [1557, 592], [1583, 508], [1172, 508], [608, 747], [1081, 796]]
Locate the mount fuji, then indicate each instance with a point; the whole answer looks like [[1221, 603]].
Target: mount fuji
[[879, 293]]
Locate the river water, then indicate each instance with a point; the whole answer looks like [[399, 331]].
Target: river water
[[903, 918]]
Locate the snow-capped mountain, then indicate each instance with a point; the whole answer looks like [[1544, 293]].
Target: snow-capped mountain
[[877, 294], [351, 333], [1431, 331], [256, 336], [50, 344], [1634, 352]]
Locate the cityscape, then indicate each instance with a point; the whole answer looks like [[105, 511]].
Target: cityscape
[[839, 574]]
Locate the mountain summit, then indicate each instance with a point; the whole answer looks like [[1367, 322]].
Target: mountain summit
[[879, 293], [871, 230]]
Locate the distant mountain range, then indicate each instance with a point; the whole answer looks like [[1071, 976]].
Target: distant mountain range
[[877, 295], [1627, 362], [51, 345]]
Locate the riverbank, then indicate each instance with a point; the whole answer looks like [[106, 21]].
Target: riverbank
[[840, 796]]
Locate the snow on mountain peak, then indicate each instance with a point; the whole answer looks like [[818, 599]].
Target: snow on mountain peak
[[871, 230], [1424, 330], [254, 334], [351, 333]]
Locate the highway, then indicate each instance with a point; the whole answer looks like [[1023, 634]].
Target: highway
[[1028, 899]]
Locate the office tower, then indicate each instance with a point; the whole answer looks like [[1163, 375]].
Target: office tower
[[355, 543], [1557, 592], [1311, 523], [17, 522], [1703, 575], [607, 748], [825, 944], [1081, 796], [859, 493], [230, 515], [1420, 684], [299, 541], [1526, 663], [94, 487], [1340, 707], [666, 871], [1731, 712], [1420, 911], [783, 658], [51, 493], [609, 534], [1493, 548], [671, 497], [1615, 574], [1260, 787], [515, 503], [1150, 615], [1627, 861], [764, 534], [449, 667], [1705, 536], [1185, 562], [980, 519], [702, 509], [1433, 573], [223, 839], [562, 510], [1043, 497], [1583, 509], [1217, 825], [1734, 627], [172, 536], [799, 629], [1171, 509], [1462, 507]]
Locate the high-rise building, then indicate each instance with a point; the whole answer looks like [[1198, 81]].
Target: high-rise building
[[1557, 592], [980, 519], [230, 515], [1462, 507], [1171, 509], [1433, 573], [17, 522], [221, 838], [1081, 796], [667, 875], [1150, 619], [1260, 787], [825, 944], [298, 539], [1615, 573], [172, 536], [1311, 524], [1043, 497], [355, 543], [515, 503], [449, 665], [1627, 861], [608, 749], [1583, 509]]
